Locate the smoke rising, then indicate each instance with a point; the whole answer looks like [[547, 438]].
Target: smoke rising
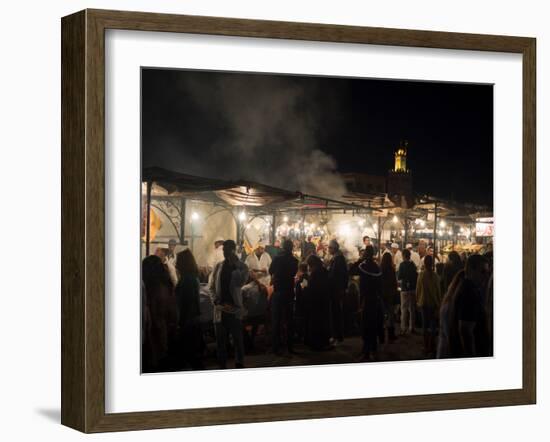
[[239, 126]]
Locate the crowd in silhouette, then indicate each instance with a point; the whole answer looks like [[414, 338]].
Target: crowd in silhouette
[[314, 302]]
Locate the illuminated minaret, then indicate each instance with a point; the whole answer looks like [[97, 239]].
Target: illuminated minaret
[[401, 158], [399, 180]]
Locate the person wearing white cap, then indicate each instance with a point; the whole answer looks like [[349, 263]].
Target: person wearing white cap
[[415, 257], [258, 263], [396, 253]]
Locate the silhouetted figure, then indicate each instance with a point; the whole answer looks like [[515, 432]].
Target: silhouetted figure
[[300, 309], [389, 293], [451, 268], [161, 304], [370, 291], [470, 311], [309, 248], [448, 325], [283, 269], [338, 281], [190, 340], [317, 305], [428, 299]]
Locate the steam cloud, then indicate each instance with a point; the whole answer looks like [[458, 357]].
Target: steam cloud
[[269, 134]]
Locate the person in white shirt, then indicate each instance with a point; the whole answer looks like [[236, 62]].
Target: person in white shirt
[[216, 255], [397, 256], [415, 257], [258, 262]]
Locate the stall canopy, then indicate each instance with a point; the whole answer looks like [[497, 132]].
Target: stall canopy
[[239, 193]]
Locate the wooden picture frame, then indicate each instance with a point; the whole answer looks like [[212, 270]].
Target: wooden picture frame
[[83, 220]]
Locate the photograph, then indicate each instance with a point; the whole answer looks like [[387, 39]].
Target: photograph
[[300, 220]]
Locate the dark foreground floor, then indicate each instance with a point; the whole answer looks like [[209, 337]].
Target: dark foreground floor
[[405, 348]]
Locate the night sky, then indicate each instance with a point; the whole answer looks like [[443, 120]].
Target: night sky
[[298, 132]]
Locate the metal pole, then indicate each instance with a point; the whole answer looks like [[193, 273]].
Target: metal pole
[[148, 218], [182, 221], [405, 237], [435, 234], [273, 228], [302, 242], [379, 235], [192, 237], [238, 223], [453, 237]]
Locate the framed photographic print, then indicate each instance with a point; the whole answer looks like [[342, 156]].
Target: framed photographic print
[[267, 220]]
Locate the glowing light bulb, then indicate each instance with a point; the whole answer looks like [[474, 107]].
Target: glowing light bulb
[[195, 216], [285, 219], [442, 223], [395, 219], [242, 216]]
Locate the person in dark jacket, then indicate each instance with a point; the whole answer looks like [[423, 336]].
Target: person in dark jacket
[[407, 276], [389, 293], [317, 305], [190, 338], [338, 283], [300, 312], [370, 292], [283, 269]]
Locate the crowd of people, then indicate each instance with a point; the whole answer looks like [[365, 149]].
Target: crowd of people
[[316, 300]]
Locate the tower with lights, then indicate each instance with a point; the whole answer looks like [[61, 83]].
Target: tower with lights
[[399, 180], [401, 158]]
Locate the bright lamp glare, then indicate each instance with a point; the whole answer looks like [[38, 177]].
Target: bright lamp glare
[[344, 230], [242, 216], [195, 216]]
